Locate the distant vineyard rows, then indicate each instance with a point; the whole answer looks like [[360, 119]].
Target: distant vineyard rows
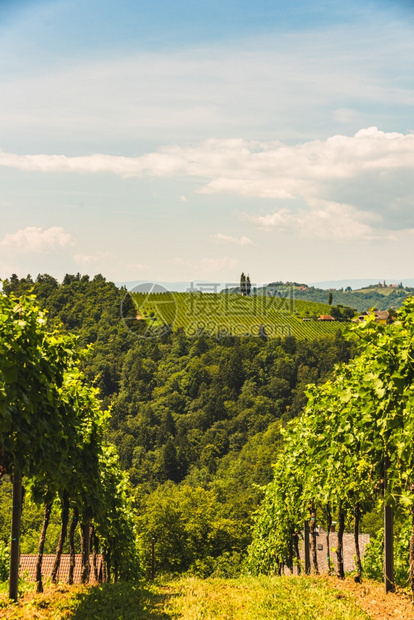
[[221, 315]]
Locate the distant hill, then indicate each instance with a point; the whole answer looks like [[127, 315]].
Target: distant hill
[[362, 299], [231, 315], [359, 283], [374, 296]]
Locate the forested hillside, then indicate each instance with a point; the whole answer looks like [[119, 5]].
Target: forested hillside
[[187, 402], [196, 420], [379, 296], [382, 298]]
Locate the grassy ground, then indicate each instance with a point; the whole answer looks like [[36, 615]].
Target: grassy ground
[[281, 598]]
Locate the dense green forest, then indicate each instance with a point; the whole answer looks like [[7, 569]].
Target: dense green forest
[[196, 420]]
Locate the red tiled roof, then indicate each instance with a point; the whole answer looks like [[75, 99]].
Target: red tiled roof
[[28, 564]]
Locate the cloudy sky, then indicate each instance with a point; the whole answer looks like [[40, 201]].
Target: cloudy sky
[[187, 140]]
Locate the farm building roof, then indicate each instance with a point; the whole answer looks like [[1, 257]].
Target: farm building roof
[[28, 565]]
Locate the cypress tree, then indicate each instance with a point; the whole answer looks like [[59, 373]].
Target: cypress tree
[[243, 284]]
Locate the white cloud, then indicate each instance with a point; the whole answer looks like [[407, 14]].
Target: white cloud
[[33, 239], [214, 267], [261, 169], [220, 238], [325, 221], [369, 172]]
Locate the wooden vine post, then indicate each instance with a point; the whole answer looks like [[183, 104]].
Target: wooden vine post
[[46, 519], [312, 529], [328, 533], [15, 535], [152, 559], [306, 544], [388, 538], [85, 542]]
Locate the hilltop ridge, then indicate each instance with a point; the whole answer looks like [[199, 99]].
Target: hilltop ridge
[[380, 296]]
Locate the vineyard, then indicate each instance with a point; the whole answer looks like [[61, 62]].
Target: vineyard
[[351, 448], [216, 409], [53, 446], [169, 408], [222, 315]]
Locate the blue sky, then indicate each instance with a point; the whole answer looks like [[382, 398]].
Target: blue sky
[[184, 140]]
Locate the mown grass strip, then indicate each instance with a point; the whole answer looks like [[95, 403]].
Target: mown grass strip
[[278, 598], [246, 598], [191, 599], [122, 601]]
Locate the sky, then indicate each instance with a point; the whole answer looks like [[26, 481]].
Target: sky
[[189, 141]]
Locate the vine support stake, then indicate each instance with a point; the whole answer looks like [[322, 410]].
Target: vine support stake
[[152, 559], [306, 544], [388, 538], [15, 535]]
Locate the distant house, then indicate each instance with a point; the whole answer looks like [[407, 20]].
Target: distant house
[[326, 317], [306, 318], [381, 316]]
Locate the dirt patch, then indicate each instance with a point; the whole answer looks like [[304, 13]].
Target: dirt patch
[[371, 596]]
